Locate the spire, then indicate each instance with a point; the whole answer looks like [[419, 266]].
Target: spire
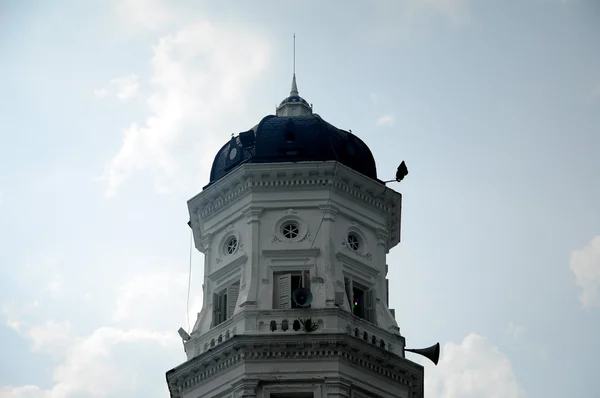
[[294, 105], [294, 91]]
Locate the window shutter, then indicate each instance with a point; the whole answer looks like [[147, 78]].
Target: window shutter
[[215, 305], [349, 290], [370, 305], [232, 297], [285, 291], [222, 307]]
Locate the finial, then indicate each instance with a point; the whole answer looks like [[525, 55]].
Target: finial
[[294, 90]]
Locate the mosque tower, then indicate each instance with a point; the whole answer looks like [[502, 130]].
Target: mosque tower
[[295, 227]]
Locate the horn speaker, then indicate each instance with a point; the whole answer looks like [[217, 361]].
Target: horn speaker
[[432, 353], [302, 297]]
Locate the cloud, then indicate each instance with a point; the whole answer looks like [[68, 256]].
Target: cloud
[[585, 264], [515, 331], [145, 14], [126, 86], [386, 120], [144, 295], [52, 337], [106, 363], [109, 360], [100, 93], [24, 392], [54, 286], [14, 314], [200, 76], [471, 369]]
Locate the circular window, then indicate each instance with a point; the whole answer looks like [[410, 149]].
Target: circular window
[[290, 230], [231, 245], [353, 242]]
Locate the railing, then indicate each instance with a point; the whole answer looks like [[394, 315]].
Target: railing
[[330, 320]]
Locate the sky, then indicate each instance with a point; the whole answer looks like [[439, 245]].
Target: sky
[[112, 112]]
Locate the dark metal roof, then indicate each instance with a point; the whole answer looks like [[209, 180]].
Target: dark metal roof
[[294, 98], [294, 139]]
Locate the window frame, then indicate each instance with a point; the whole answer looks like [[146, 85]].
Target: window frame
[[288, 302], [368, 311], [224, 302]]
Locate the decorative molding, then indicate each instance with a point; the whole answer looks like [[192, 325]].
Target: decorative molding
[[291, 253], [357, 266], [253, 213], [321, 347], [255, 177], [226, 236], [229, 268], [290, 215], [245, 388]]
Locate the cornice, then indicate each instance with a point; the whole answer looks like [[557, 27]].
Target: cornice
[[357, 266], [291, 253], [317, 347], [229, 268], [252, 177]]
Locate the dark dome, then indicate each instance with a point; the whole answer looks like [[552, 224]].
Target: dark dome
[[294, 139]]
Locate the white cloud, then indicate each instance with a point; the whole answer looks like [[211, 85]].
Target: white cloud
[[14, 314], [126, 87], [100, 93], [106, 363], [145, 14], [144, 295], [585, 264], [386, 120], [200, 76], [24, 392], [52, 337], [54, 286], [515, 331], [472, 369]]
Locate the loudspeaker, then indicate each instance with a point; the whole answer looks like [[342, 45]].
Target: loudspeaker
[[432, 353], [302, 297], [183, 334]]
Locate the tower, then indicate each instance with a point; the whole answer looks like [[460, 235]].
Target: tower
[[295, 227]]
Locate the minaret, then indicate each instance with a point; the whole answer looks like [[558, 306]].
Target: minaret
[[295, 227]]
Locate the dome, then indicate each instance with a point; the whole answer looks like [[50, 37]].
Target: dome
[[302, 138]]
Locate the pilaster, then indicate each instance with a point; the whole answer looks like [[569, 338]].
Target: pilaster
[[250, 281], [337, 388], [244, 388]]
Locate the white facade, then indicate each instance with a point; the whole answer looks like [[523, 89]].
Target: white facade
[[328, 202], [268, 229]]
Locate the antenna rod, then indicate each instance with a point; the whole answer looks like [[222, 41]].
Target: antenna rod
[[294, 54]]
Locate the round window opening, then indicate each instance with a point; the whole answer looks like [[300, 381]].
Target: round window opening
[[231, 245], [353, 242], [290, 230]]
